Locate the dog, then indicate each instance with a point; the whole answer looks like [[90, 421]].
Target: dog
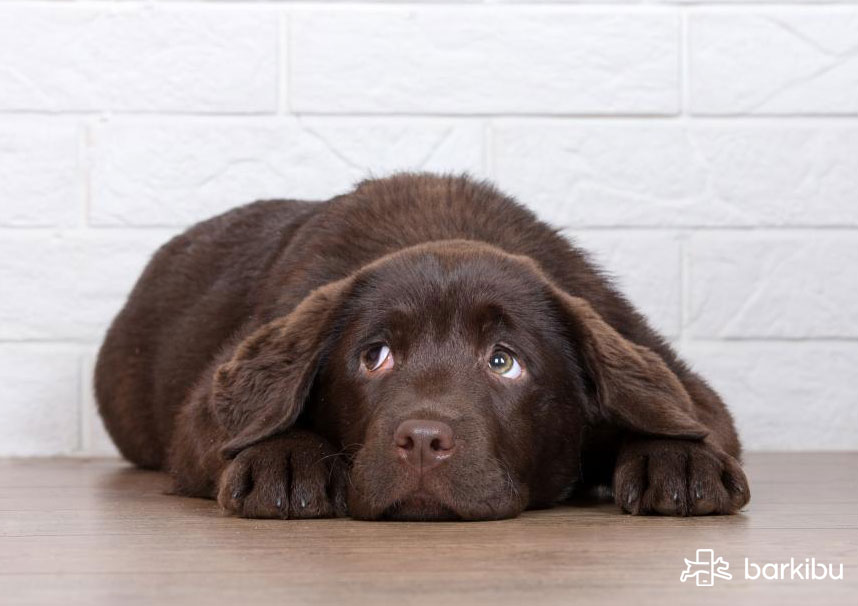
[[421, 348]]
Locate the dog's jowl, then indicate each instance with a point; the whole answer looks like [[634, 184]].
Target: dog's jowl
[[420, 348]]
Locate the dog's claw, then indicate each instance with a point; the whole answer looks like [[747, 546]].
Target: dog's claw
[[633, 494]]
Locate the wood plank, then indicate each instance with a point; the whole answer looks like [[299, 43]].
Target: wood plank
[[98, 532]]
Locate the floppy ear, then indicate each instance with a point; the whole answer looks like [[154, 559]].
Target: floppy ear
[[261, 390], [633, 386]]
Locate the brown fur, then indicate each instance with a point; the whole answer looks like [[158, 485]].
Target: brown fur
[[236, 366]]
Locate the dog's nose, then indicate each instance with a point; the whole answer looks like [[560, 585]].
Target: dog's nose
[[424, 444]]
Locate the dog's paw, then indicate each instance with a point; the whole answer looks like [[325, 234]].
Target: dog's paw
[[297, 475], [678, 478]]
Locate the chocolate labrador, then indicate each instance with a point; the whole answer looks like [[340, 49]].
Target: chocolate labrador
[[420, 348]]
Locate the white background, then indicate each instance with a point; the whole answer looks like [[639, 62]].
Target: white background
[[708, 153]]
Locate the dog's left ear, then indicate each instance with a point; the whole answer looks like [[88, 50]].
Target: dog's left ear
[[262, 389], [633, 387]]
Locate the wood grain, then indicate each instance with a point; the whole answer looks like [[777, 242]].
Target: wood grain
[[99, 532]]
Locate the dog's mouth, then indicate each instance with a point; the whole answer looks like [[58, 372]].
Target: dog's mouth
[[379, 491], [419, 507]]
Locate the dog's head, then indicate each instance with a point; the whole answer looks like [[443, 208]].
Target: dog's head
[[458, 379]]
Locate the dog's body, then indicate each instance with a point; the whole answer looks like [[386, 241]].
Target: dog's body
[[240, 364]]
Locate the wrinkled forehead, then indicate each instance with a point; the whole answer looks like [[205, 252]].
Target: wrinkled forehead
[[443, 292]]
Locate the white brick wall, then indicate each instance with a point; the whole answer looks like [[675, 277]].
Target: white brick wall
[[705, 151]]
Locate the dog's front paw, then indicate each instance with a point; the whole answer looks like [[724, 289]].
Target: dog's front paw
[[678, 478], [297, 475]]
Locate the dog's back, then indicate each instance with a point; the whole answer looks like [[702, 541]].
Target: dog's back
[[196, 291]]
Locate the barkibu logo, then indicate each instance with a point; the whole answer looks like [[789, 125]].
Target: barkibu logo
[[795, 570], [705, 568]]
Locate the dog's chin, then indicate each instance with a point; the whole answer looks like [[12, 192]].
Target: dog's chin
[[423, 506], [374, 495], [419, 507]]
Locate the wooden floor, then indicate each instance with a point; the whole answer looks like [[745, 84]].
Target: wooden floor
[[99, 532]]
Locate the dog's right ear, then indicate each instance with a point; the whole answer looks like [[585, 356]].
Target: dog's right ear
[[262, 389]]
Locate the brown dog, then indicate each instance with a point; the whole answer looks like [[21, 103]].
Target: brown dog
[[420, 348]]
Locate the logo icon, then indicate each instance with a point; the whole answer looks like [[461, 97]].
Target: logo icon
[[705, 568]]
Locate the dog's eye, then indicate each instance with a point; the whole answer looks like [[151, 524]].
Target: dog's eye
[[377, 357], [503, 363]]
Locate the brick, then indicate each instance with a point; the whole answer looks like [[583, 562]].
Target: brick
[[645, 267], [68, 286], [777, 285], [785, 396], [717, 174], [463, 60], [175, 174], [137, 58], [39, 178], [39, 409], [774, 62]]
